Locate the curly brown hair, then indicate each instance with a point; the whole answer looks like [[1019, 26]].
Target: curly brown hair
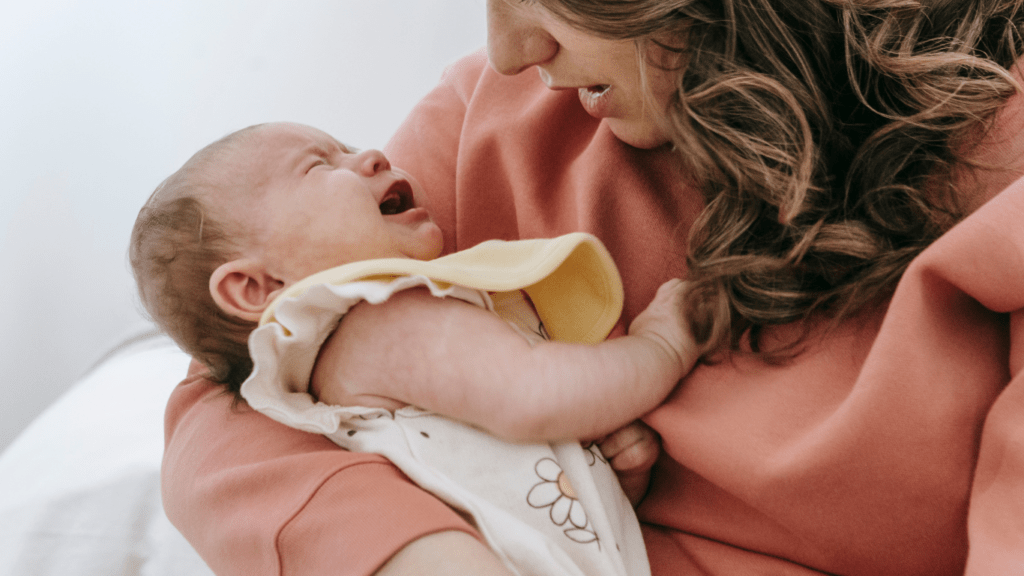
[[176, 244], [822, 135]]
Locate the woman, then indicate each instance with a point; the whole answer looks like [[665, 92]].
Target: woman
[[804, 164]]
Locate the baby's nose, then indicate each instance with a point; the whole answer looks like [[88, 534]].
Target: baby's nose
[[371, 162]]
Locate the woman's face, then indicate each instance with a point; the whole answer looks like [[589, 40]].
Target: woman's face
[[611, 78]]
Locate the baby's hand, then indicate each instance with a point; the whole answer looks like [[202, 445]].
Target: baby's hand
[[632, 451], [662, 321]]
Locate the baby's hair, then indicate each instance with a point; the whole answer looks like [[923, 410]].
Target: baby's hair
[[176, 244]]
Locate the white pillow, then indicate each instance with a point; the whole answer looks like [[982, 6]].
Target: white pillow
[[80, 487]]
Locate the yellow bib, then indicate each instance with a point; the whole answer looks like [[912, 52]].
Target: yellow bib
[[572, 280]]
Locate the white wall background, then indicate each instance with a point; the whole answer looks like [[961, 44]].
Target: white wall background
[[102, 99]]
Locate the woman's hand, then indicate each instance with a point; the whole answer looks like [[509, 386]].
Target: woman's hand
[[449, 553], [632, 451]]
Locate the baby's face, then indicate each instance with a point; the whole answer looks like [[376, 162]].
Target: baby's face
[[320, 204]]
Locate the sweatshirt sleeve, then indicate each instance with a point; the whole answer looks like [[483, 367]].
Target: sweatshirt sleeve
[[945, 304], [982, 260], [975, 269], [254, 497]]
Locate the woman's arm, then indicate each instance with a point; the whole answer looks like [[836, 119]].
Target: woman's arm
[[256, 497], [464, 362]]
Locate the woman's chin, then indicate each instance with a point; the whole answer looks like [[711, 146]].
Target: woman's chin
[[644, 135]]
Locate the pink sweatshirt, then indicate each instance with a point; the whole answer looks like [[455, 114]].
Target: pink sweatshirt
[[894, 445]]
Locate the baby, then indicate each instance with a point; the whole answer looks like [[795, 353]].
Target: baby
[[253, 252]]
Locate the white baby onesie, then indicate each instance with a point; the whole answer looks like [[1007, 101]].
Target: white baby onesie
[[546, 509]]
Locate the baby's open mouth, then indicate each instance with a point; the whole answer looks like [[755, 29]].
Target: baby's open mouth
[[397, 199]]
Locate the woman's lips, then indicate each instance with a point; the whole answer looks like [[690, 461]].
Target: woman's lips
[[596, 100]]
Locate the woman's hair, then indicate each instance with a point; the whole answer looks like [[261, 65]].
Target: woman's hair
[[176, 244], [823, 135]]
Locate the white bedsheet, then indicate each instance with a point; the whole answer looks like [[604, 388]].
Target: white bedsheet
[[80, 487]]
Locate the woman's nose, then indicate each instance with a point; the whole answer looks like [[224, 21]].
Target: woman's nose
[[514, 40], [371, 162]]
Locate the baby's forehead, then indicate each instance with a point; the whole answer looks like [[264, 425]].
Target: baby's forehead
[[268, 152], [299, 138]]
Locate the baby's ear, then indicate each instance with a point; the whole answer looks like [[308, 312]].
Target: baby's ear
[[243, 288]]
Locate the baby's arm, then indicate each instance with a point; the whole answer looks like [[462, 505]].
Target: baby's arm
[[459, 360]]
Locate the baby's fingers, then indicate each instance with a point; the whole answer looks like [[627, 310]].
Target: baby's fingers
[[669, 294], [671, 288]]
